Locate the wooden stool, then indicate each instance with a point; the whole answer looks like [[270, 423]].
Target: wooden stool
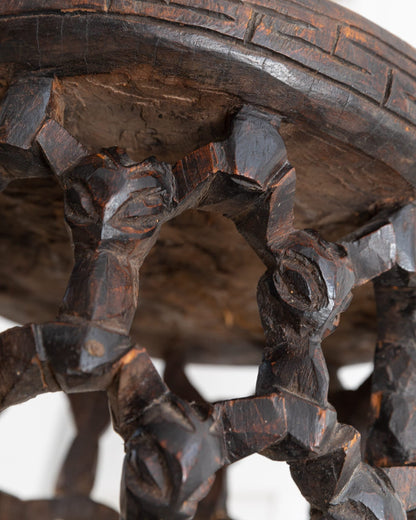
[[166, 135]]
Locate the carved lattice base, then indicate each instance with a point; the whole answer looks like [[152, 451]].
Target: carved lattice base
[[177, 445]]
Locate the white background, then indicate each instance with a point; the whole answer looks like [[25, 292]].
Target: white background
[[34, 436]]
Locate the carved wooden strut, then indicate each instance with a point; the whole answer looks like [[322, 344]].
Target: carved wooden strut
[[177, 445]]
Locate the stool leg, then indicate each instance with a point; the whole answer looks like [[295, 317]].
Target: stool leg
[[392, 438], [91, 416], [214, 505]]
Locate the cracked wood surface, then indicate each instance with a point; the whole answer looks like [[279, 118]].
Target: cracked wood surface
[[308, 59], [184, 81], [115, 208], [150, 114]]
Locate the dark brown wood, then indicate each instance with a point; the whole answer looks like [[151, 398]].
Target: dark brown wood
[[345, 69], [214, 505], [91, 417], [132, 114], [68, 508], [391, 441], [29, 101], [314, 75], [115, 208]]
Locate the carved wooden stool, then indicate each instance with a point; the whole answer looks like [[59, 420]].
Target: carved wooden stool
[[161, 132]]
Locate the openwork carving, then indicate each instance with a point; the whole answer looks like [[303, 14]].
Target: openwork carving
[[178, 445], [174, 446]]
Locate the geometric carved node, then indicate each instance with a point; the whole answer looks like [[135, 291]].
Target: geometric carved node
[[117, 202]]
